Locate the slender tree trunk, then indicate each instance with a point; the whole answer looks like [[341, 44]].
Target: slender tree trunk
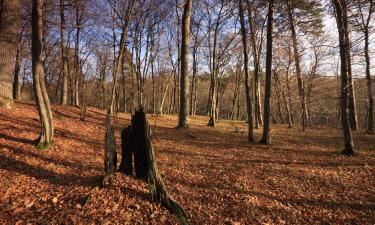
[[164, 94], [266, 138], [301, 89], [254, 44], [238, 113], [277, 91], [236, 95], [213, 110], [64, 59], [353, 120], [192, 90], [118, 59], [287, 83], [17, 69], [124, 92], [249, 103], [287, 107], [370, 112], [9, 32], [184, 82], [153, 88], [77, 71], [44, 109], [341, 19]]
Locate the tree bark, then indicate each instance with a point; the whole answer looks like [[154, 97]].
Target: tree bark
[[256, 58], [341, 19], [266, 138], [277, 91], [370, 108], [184, 82], [249, 103], [17, 68], [301, 89], [9, 31], [42, 101], [353, 119], [77, 71], [64, 59]]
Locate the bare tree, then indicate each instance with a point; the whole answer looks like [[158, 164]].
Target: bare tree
[[45, 138], [64, 59], [342, 27], [365, 12], [184, 82], [256, 44], [249, 103], [266, 138]]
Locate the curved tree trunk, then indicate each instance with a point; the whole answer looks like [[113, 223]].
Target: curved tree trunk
[[9, 31], [184, 82], [44, 109], [266, 138]]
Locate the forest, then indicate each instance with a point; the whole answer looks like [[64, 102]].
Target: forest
[[187, 112]]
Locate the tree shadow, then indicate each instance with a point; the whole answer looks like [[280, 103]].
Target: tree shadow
[[17, 139], [20, 167], [71, 164]]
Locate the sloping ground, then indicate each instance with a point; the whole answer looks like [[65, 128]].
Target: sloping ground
[[215, 175]]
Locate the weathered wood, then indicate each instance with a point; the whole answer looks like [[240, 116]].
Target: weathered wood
[[145, 163], [127, 146], [110, 155], [139, 125]]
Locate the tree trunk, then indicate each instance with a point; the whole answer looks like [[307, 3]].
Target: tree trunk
[[64, 59], [118, 60], [341, 19], [266, 138], [124, 92], [277, 91], [193, 82], [249, 103], [370, 111], [110, 160], [77, 71], [137, 141], [9, 31], [184, 82], [17, 68], [44, 109], [301, 89], [353, 120], [213, 109], [256, 58]]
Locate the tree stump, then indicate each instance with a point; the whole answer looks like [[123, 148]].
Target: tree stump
[[127, 146], [138, 138], [110, 155]]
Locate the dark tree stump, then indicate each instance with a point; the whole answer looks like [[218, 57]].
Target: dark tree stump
[[139, 126], [147, 165], [127, 146]]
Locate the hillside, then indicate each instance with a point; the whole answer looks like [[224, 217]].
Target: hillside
[[216, 176]]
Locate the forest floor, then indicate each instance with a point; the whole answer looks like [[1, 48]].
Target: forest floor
[[212, 172]]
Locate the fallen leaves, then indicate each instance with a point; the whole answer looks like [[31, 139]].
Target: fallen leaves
[[216, 176]]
